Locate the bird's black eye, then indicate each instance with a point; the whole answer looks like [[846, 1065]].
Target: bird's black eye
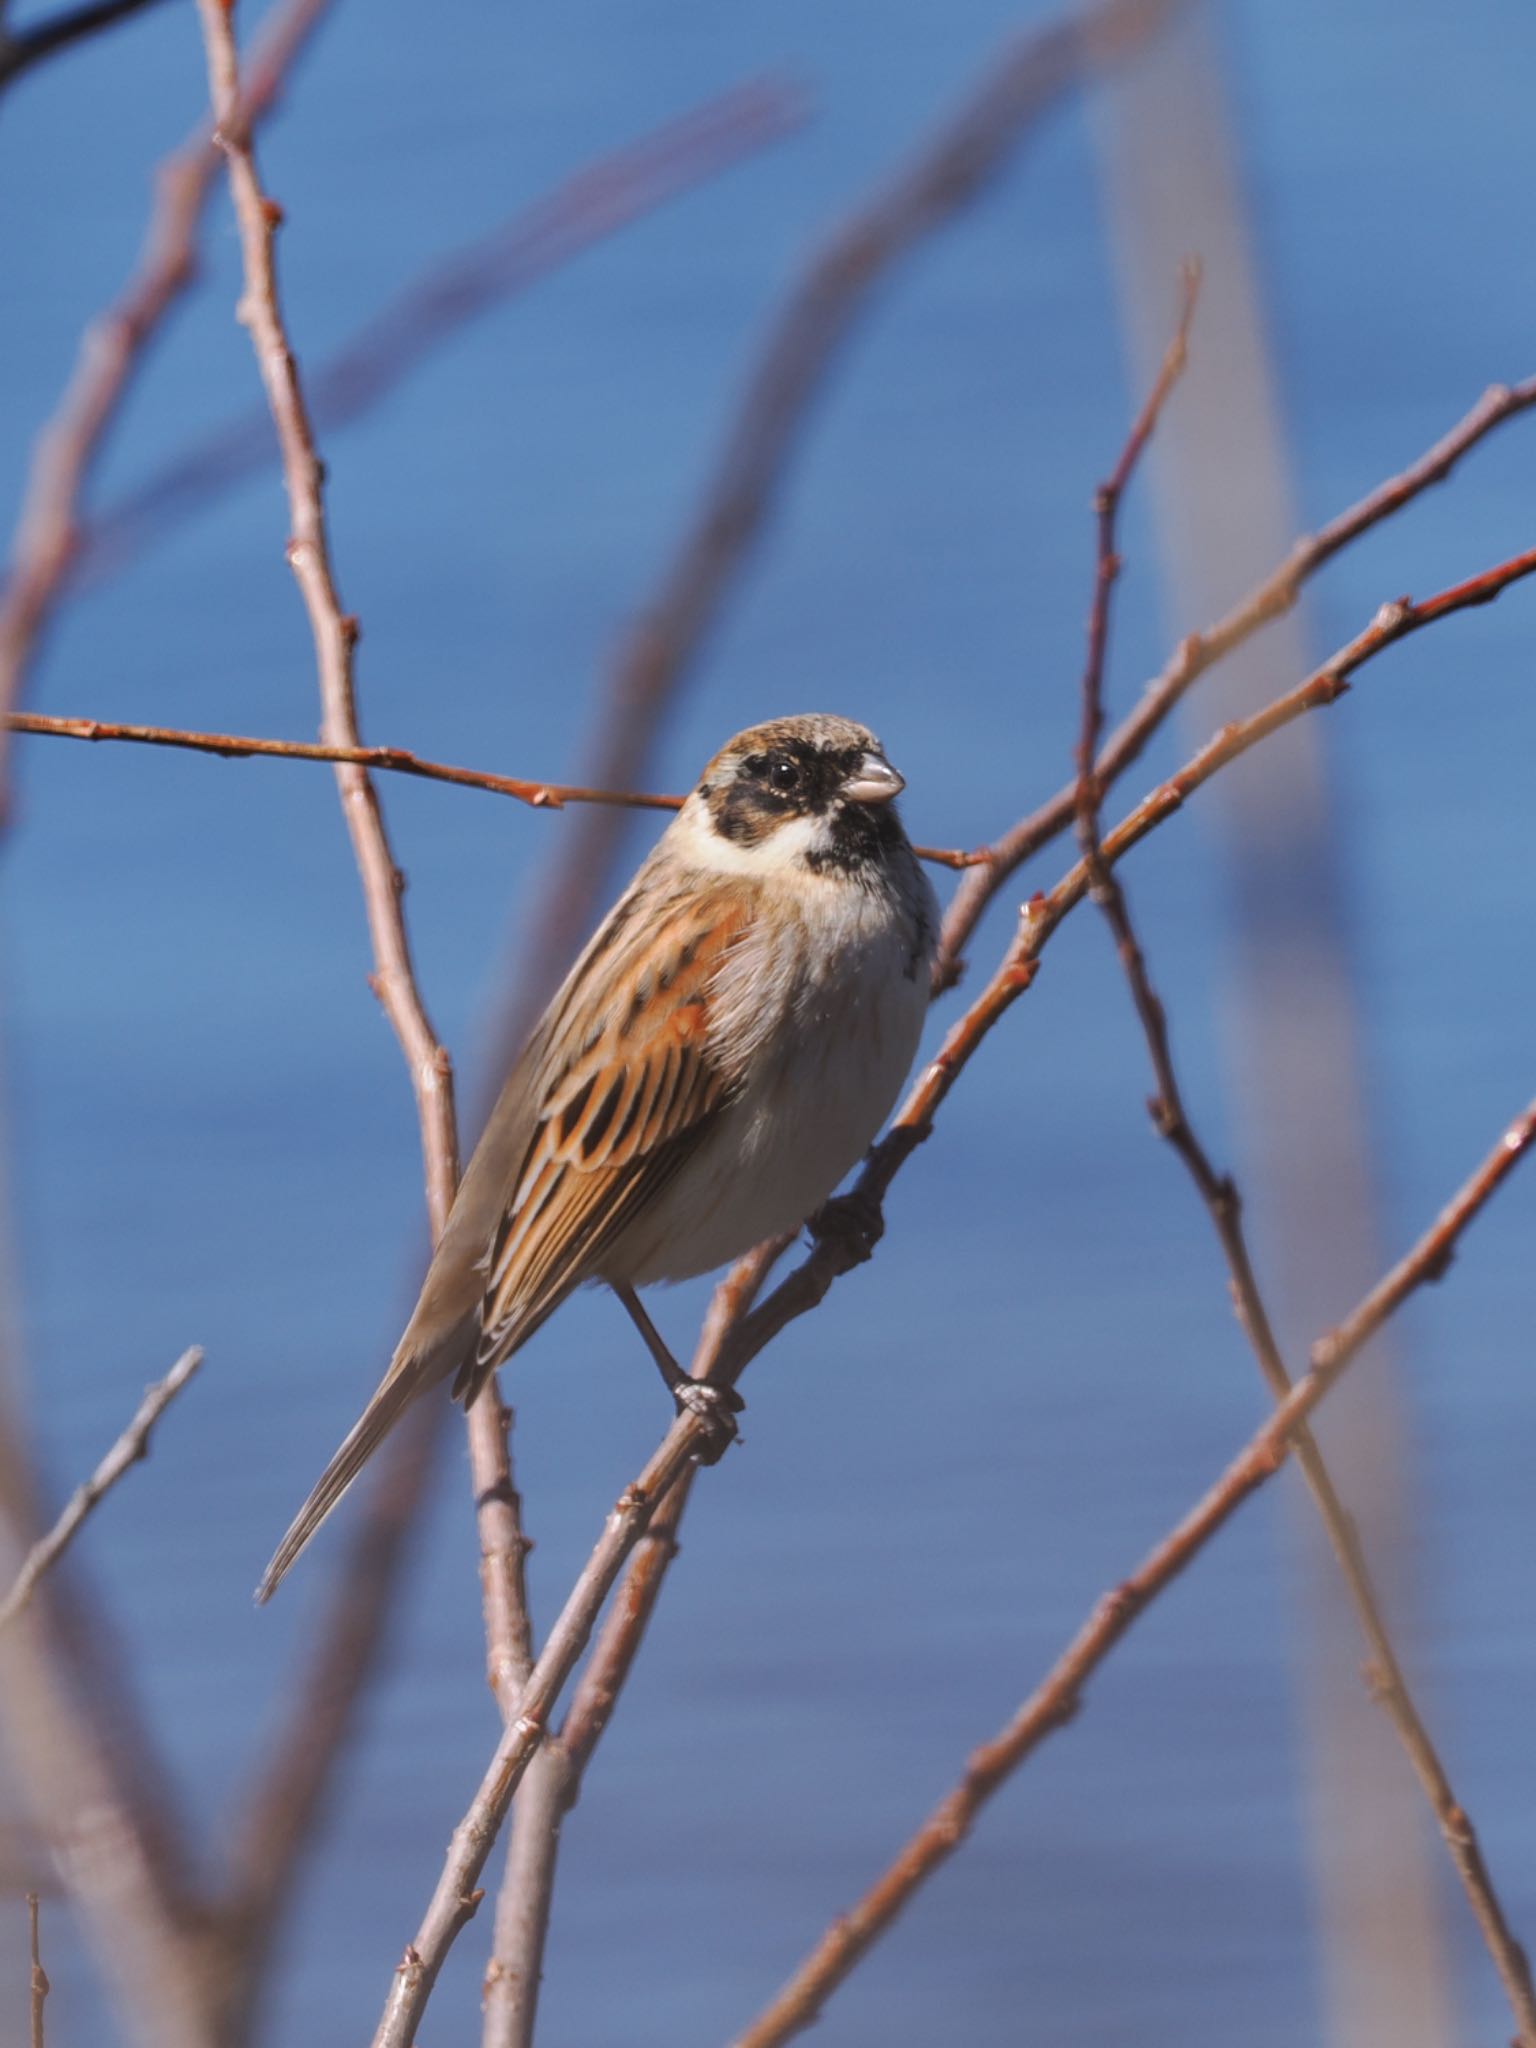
[[783, 774]]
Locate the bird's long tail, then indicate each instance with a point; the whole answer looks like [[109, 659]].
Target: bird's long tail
[[411, 1372]]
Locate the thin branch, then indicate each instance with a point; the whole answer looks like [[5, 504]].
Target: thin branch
[[839, 285], [599, 200], [1219, 1193], [456, 1898], [553, 1781], [1198, 652], [111, 351], [335, 636], [540, 796], [39, 1987], [1087, 794], [129, 1448], [1059, 1696], [19, 52]]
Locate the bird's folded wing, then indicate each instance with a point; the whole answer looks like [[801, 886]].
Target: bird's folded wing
[[628, 1086]]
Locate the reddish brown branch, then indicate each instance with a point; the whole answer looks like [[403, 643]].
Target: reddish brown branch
[[1201, 651], [1088, 795], [111, 352], [1220, 1196], [542, 796], [1059, 1696]]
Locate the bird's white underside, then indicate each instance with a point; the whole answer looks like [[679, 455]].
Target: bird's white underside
[[826, 1003]]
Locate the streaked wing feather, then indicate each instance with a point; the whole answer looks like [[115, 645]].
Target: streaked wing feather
[[628, 1087]]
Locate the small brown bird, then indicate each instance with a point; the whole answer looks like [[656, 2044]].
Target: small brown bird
[[721, 1054]]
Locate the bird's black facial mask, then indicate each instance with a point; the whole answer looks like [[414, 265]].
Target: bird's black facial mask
[[800, 780]]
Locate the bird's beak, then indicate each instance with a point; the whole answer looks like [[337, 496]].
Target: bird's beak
[[874, 781]]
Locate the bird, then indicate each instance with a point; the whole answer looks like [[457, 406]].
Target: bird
[[723, 1052]]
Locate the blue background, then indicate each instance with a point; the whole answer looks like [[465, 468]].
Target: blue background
[[212, 1139]]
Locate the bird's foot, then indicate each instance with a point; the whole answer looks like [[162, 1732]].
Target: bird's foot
[[853, 1224], [717, 1408]]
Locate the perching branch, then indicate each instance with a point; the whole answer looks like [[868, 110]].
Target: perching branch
[[456, 1896], [1059, 1695], [552, 1783], [129, 1448], [1219, 1193]]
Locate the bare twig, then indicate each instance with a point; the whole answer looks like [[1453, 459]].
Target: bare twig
[[1087, 795], [553, 1780], [838, 286], [39, 1986], [335, 636], [600, 199], [1058, 1697], [1219, 1193], [129, 1448], [1198, 652], [20, 51], [456, 1898], [540, 796], [99, 1795], [111, 351]]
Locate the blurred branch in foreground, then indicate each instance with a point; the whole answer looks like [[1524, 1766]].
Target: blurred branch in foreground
[[111, 351], [1170, 1118], [21, 49], [127, 1451], [838, 287], [539, 796], [1059, 1696], [455, 1898], [597, 201]]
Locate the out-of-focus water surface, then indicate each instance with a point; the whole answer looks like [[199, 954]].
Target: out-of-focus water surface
[[211, 1138]]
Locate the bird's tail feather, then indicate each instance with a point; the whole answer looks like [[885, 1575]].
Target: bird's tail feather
[[410, 1373]]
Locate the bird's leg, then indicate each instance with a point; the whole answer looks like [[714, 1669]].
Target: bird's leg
[[717, 1407]]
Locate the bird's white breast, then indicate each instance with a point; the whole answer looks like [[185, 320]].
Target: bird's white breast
[[826, 999]]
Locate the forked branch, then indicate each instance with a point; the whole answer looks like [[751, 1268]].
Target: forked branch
[[1059, 1695], [1219, 1193]]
